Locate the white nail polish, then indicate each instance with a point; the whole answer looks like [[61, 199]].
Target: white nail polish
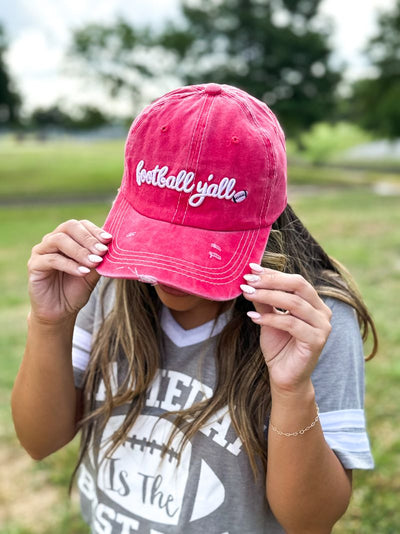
[[83, 269], [255, 267], [254, 315], [252, 278], [101, 247], [105, 235], [95, 259], [247, 289]]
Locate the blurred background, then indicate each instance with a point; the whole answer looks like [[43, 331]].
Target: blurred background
[[73, 75]]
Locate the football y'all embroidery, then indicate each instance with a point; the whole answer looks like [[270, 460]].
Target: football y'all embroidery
[[184, 182]]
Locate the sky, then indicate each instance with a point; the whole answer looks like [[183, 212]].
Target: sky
[[39, 32]]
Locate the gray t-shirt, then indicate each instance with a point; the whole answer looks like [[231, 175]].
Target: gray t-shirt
[[212, 488]]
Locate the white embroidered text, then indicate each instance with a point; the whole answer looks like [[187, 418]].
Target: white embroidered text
[[185, 182]]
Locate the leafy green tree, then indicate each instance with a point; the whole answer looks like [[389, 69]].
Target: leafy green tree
[[271, 48], [117, 55], [85, 118], [9, 99], [375, 101]]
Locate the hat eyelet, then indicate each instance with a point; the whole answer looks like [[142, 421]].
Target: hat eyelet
[[235, 139], [164, 128]]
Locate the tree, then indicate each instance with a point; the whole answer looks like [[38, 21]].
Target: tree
[[117, 55], [84, 118], [9, 99], [375, 101], [271, 48]]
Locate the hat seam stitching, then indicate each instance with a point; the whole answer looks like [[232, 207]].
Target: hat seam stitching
[[223, 279], [188, 157], [248, 236], [244, 104], [118, 250], [208, 111]]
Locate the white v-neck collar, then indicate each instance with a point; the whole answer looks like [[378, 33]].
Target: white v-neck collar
[[183, 338]]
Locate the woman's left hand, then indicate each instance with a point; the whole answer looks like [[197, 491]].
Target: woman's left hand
[[291, 342]]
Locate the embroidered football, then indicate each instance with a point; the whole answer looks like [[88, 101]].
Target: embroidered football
[[239, 196]]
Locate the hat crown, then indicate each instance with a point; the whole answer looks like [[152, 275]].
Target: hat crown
[[208, 156]]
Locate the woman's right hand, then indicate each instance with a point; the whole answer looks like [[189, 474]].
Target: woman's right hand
[[62, 270]]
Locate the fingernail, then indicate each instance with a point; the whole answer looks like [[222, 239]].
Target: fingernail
[[95, 259], [256, 267], [251, 277], [254, 315], [105, 235], [83, 269], [101, 247], [247, 289]]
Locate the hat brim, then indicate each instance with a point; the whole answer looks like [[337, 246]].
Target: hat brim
[[201, 262]]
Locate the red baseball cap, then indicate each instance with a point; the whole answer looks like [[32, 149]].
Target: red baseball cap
[[204, 180]]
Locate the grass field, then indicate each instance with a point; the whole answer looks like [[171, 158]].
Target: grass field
[[358, 227], [70, 170], [32, 169]]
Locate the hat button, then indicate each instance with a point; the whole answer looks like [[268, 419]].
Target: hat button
[[213, 89]]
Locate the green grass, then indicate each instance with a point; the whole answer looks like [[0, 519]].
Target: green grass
[[33, 169], [363, 231], [21, 229], [62, 168], [357, 227]]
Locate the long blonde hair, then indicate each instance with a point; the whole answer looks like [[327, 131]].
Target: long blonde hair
[[132, 333]]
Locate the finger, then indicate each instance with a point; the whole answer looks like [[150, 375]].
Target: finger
[[86, 234], [293, 283], [97, 232], [296, 305], [43, 263], [65, 245], [301, 331]]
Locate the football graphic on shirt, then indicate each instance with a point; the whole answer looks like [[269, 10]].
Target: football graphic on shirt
[[141, 482]]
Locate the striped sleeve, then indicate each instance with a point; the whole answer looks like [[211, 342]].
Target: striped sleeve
[[82, 337], [89, 320], [81, 347], [345, 433], [339, 386]]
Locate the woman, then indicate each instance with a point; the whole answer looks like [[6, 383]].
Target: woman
[[218, 375]]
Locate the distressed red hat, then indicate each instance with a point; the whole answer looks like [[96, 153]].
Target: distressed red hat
[[204, 179]]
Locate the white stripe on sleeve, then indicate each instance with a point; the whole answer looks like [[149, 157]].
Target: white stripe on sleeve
[[81, 346], [342, 419], [346, 435], [348, 441]]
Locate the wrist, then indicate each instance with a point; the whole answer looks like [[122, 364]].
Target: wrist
[[293, 412], [302, 393], [65, 324]]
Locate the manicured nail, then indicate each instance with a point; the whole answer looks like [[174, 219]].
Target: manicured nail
[[254, 315], [101, 247], [257, 268], [105, 235], [251, 277], [83, 269], [247, 289], [95, 259]]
